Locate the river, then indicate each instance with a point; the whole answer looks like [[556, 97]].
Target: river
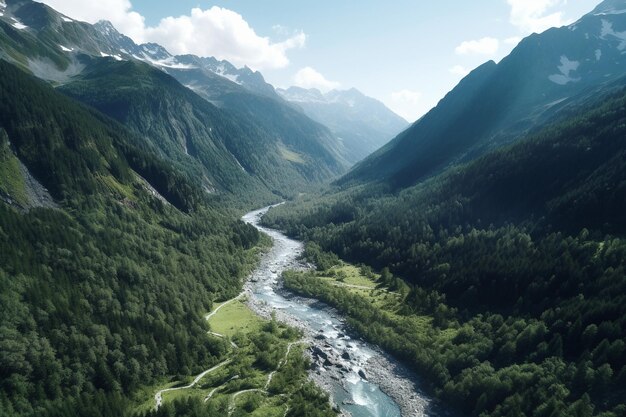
[[360, 379]]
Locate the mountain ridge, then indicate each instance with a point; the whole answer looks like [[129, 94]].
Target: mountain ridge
[[363, 124], [541, 74]]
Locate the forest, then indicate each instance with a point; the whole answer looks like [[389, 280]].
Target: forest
[[105, 291], [521, 252]]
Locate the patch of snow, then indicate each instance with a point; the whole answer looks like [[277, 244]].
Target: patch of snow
[[611, 12], [221, 71], [1, 14], [47, 70], [170, 62], [66, 19], [238, 163], [3, 5], [598, 54], [19, 26], [566, 68], [555, 102], [116, 57], [124, 51], [607, 30], [587, 36], [65, 49]]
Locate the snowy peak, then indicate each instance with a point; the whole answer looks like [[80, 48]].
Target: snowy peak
[[106, 27], [350, 99], [155, 51], [302, 95]]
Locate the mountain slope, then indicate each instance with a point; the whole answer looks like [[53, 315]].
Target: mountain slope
[[255, 146], [222, 153], [292, 130], [517, 258], [497, 102], [104, 292], [363, 124]]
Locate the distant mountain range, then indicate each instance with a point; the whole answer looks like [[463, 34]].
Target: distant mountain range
[[496, 103], [361, 123], [242, 140]]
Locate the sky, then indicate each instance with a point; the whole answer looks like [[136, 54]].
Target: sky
[[406, 53]]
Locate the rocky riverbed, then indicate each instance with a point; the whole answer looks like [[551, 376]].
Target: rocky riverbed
[[361, 380]]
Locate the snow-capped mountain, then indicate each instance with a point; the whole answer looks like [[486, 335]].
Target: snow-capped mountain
[[158, 56], [67, 38], [364, 124]]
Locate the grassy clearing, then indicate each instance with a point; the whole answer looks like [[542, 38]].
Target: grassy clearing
[[184, 393], [233, 318], [290, 155], [144, 397], [390, 303], [262, 347], [11, 179], [350, 275]]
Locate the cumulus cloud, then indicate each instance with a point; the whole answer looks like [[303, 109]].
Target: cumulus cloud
[[308, 77], [118, 12], [459, 70], [217, 32], [514, 40], [406, 103], [484, 46], [533, 15], [224, 34]]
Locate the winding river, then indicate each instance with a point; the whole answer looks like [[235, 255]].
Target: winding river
[[344, 366]]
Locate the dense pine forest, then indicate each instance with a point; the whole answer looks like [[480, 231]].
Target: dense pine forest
[[89, 309], [520, 253]]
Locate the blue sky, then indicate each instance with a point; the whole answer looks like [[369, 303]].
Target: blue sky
[[406, 53]]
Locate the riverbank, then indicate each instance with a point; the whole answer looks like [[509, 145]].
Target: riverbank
[[361, 380], [383, 370]]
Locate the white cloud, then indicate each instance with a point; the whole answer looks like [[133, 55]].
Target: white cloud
[[118, 12], [514, 40], [407, 104], [532, 15], [459, 70], [308, 77], [217, 32], [223, 34], [484, 46]]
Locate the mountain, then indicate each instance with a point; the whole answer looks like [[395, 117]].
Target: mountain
[[254, 145], [292, 129], [507, 267], [496, 103], [362, 123], [209, 144]]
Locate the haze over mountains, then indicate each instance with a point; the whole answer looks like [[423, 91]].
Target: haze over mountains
[[363, 124]]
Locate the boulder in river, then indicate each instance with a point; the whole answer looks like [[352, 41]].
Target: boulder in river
[[319, 352], [345, 355], [362, 374]]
